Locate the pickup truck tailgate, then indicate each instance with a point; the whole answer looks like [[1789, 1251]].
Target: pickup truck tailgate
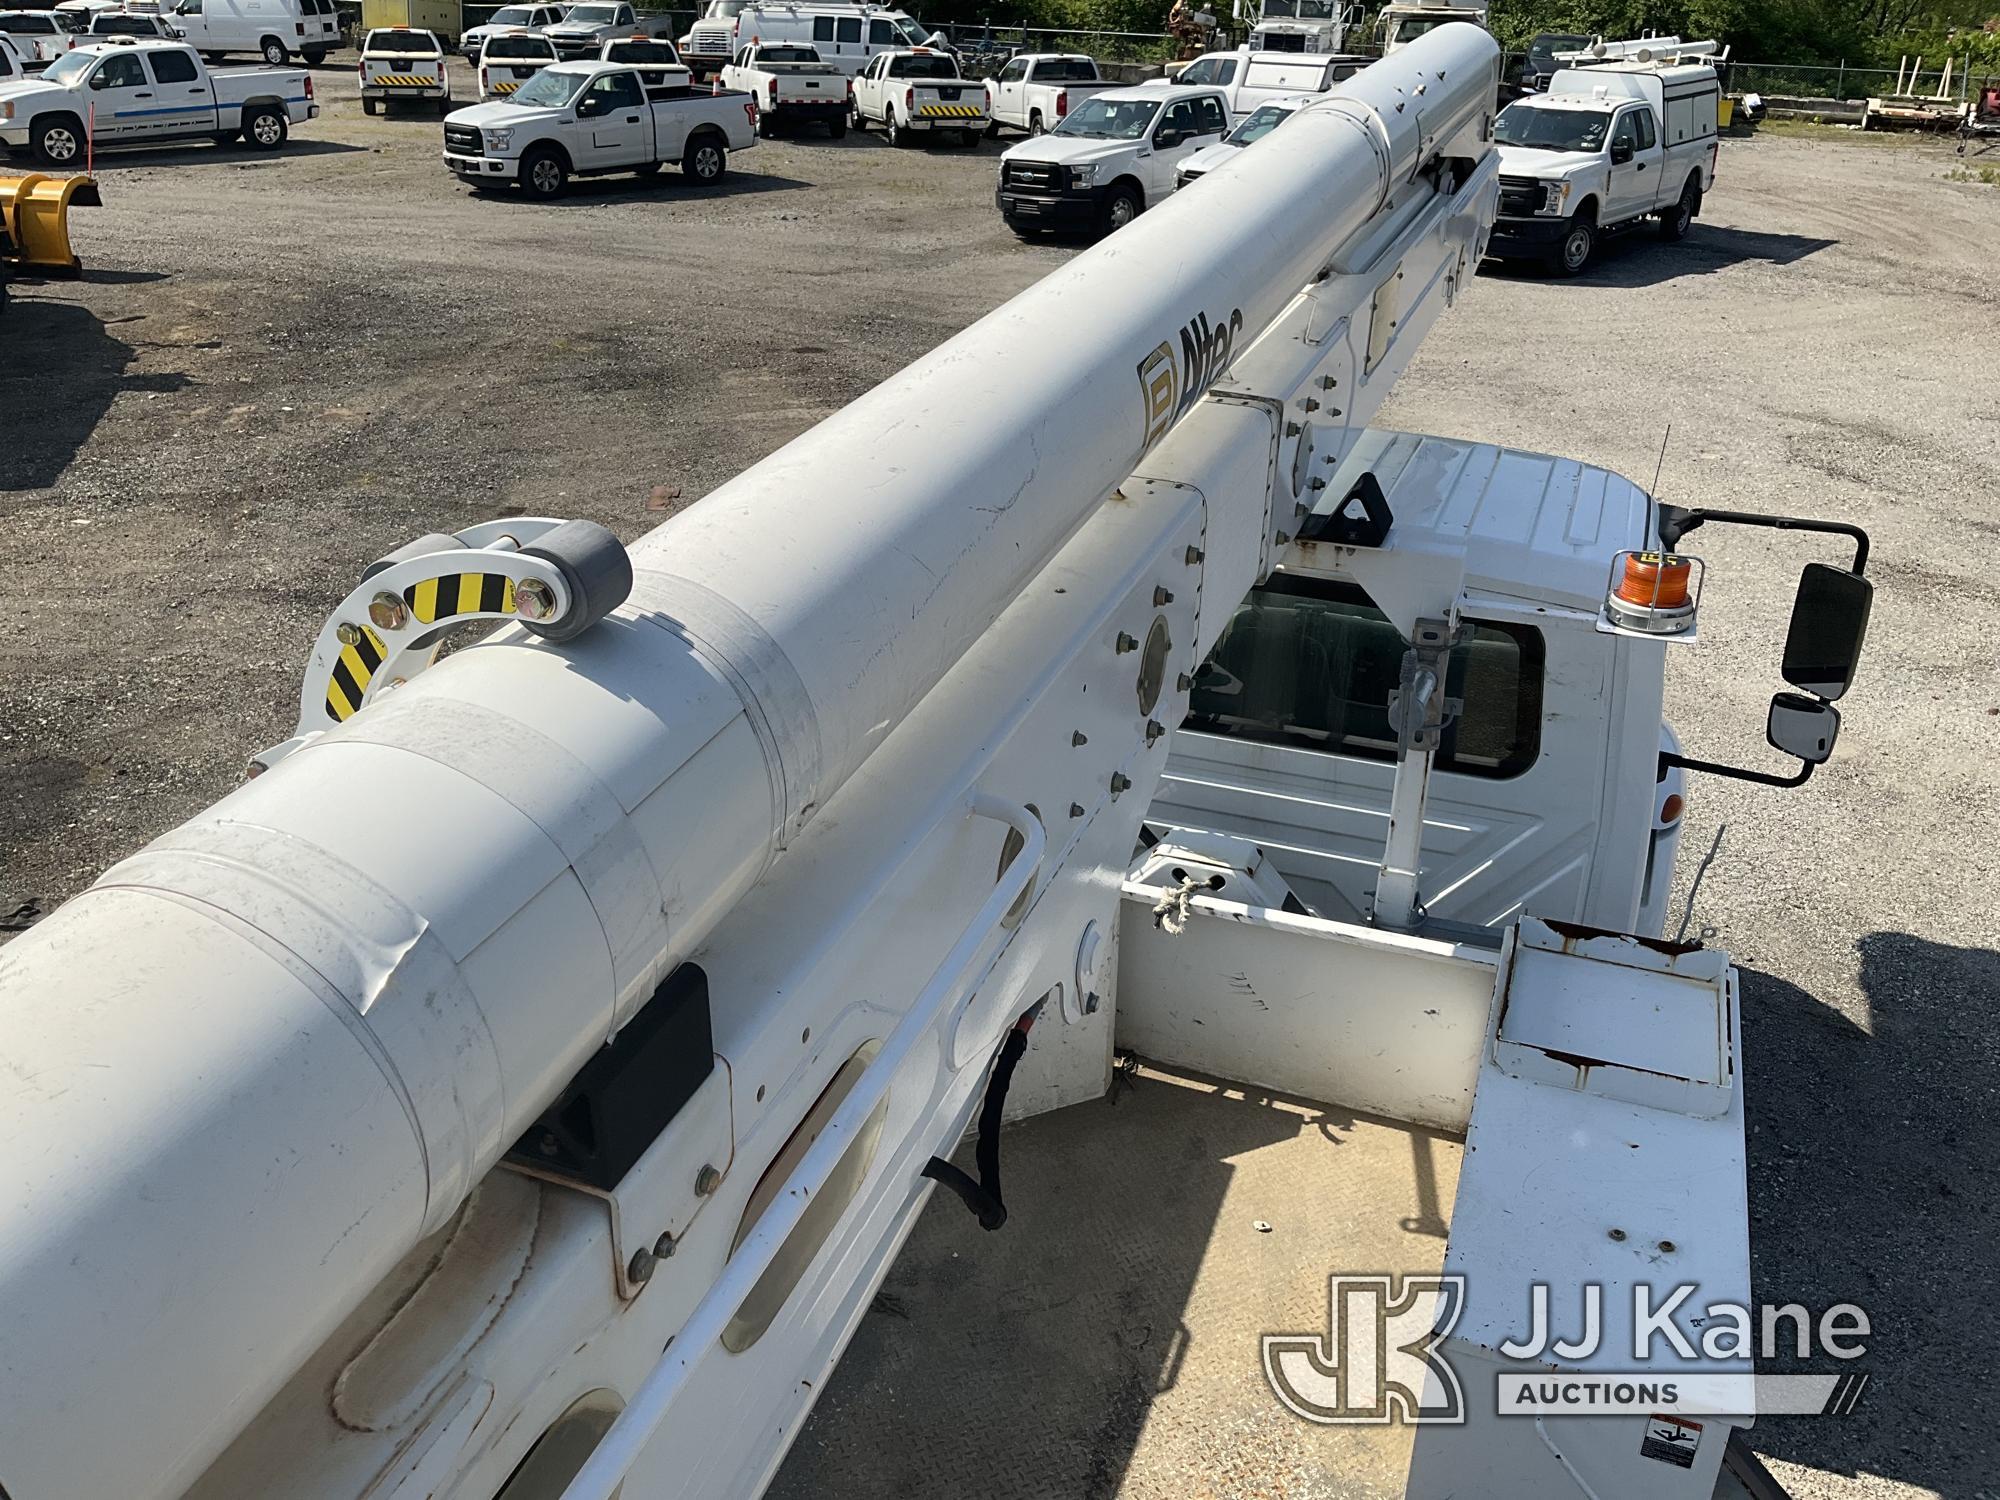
[[948, 101]]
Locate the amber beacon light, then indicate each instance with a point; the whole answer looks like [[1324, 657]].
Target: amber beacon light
[[1654, 592]]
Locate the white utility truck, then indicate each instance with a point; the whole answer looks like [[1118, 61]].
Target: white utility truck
[[403, 64], [587, 27], [523, 1085], [1113, 157], [585, 119], [1626, 132], [1034, 91], [1397, 25], [1282, 75], [792, 86], [916, 94], [1303, 26], [509, 59], [1254, 127], [848, 36], [135, 91]]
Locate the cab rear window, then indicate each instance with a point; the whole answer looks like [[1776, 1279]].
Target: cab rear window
[[401, 44], [922, 67], [1311, 665], [532, 48], [29, 25]]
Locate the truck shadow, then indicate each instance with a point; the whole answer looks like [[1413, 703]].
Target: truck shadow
[[668, 187], [1870, 1155], [1637, 258], [199, 153], [60, 370]]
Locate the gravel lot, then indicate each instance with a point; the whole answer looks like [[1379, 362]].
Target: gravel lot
[[276, 369]]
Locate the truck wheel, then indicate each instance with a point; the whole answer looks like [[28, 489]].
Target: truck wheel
[[992, 130], [706, 160], [896, 136], [314, 56], [444, 107], [1120, 209], [856, 118], [836, 129], [543, 173], [766, 126], [265, 128], [58, 140], [1578, 244], [274, 52], [371, 106], [1676, 221], [1035, 125]]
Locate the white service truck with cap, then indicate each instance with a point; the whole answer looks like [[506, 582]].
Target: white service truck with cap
[[1626, 133]]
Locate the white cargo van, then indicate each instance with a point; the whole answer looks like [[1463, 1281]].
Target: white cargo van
[[847, 36], [273, 29]]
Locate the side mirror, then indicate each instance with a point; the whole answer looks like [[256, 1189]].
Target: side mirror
[[1802, 727], [1829, 623], [99, 81], [1621, 152], [1166, 140], [589, 107]]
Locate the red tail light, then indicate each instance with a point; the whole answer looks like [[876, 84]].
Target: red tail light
[[910, 100], [774, 91], [1062, 103], [750, 112], [302, 28], [482, 80]]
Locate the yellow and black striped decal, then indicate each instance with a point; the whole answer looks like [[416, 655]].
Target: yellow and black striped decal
[[460, 594], [505, 88], [952, 111], [401, 81], [352, 673]]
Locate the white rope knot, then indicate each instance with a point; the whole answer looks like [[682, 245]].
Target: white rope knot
[[1170, 912]]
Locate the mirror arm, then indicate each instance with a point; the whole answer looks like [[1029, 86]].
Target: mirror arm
[[1763, 778], [1676, 521]]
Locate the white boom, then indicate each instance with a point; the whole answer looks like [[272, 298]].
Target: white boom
[[255, 1064]]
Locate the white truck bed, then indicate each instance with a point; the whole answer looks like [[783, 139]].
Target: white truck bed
[[1105, 1342]]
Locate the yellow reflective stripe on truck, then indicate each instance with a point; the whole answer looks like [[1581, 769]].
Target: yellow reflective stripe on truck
[[401, 81], [953, 111]]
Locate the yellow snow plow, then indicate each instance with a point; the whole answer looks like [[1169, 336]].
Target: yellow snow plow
[[34, 221]]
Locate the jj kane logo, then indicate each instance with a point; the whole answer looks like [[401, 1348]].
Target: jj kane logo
[[1169, 384]]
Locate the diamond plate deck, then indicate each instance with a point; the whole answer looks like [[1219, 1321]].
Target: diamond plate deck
[[1105, 1343]]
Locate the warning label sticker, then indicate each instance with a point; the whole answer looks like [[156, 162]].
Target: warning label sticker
[[1672, 1440]]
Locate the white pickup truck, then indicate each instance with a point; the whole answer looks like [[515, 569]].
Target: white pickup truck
[[1607, 147], [508, 59], [792, 86], [918, 92], [1035, 91], [589, 26], [584, 119], [1114, 156], [401, 64], [136, 91], [659, 64]]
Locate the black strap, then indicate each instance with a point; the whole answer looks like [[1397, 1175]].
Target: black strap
[[983, 1196]]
